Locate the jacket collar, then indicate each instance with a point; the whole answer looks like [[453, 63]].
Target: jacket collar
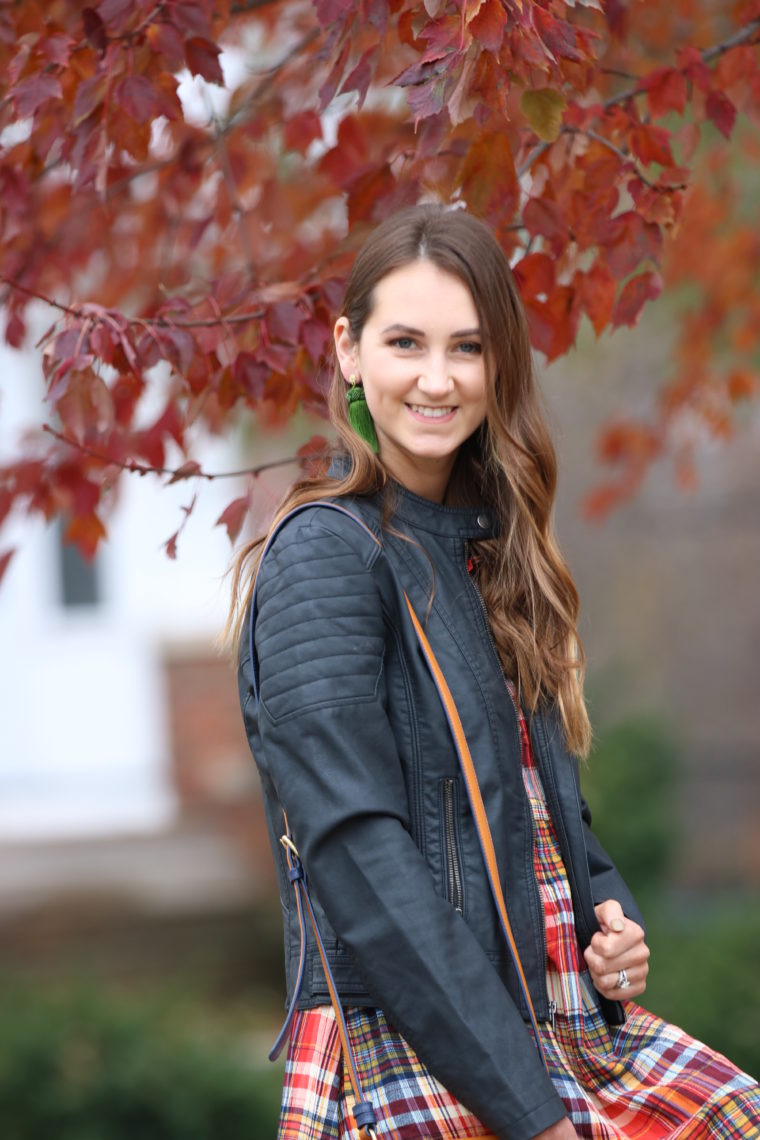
[[424, 514]]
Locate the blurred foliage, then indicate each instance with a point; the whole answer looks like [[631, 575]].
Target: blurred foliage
[[703, 973], [90, 1066], [703, 969], [630, 787]]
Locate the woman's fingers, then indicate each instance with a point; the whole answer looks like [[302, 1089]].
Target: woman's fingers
[[619, 946]]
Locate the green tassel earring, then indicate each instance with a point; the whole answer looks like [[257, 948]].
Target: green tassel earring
[[359, 414]]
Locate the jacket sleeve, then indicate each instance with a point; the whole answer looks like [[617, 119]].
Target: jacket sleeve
[[327, 745]]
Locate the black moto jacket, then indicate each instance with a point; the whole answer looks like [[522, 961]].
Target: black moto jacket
[[350, 738]]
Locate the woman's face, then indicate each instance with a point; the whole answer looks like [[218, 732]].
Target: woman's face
[[420, 359]]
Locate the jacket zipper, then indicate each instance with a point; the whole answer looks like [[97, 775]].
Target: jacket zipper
[[453, 866], [531, 825]]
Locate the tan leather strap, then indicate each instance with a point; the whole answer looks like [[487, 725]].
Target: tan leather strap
[[478, 811]]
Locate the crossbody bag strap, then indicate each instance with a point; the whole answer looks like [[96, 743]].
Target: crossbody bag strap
[[478, 811]]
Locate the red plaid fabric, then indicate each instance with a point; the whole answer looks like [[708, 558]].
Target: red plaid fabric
[[643, 1080]]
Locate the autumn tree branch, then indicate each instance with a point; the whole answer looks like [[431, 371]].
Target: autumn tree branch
[[177, 473]]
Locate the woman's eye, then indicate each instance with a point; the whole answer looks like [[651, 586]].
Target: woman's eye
[[402, 342], [469, 347]]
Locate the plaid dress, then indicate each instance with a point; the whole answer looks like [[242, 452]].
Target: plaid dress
[[643, 1080]]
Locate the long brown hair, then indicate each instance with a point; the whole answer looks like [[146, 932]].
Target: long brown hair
[[508, 464]]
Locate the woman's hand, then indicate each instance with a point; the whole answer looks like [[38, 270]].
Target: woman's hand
[[619, 945], [562, 1130]]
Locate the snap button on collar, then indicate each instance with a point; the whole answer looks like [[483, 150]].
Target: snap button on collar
[[484, 521]]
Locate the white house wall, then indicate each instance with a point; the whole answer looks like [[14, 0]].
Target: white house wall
[[83, 720]]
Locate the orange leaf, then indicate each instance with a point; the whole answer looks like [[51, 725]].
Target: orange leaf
[[666, 91], [652, 144], [85, 531], [742, 385], [487, 175], [489, 24], [535, 274], [597, 293], [634, 295]]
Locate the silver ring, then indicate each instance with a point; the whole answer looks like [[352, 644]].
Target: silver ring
[[622, 982]]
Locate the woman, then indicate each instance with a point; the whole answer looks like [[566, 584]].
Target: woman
[[445, 458]]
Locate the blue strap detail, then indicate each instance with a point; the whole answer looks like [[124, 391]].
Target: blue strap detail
[[284, 1034], [364, 1115]]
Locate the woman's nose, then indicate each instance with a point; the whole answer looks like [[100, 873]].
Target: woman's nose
[[435, 380]]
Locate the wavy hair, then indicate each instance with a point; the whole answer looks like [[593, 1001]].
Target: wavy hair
[[508, 464]]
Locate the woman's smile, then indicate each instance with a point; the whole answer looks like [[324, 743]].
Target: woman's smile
[[428, 413]]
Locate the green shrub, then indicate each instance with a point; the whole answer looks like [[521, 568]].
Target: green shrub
[[629, 785], [703, 974], [86, 1067]]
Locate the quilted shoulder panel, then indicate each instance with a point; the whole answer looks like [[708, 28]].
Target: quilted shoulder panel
[[319, 628]]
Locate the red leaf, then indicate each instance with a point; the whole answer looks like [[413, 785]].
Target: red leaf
[[330, 86], [15, 331], [136, 95], [283, 322], [170, 546], [233, 516], [302, 130], [694, 67], [332, 11], [115, 11], [634, 241], [32, 92], [596, 290], [482, 192], [553, 323], [251, 374], [634, 295], [544, 218], [95, 29], [4, 561], [361, 76], [186, 471], [652, 144], [557, 35], [165, 40], [179, 346], [535, 274], [666, 91], [721, 111], [202, 58], [489, 25]]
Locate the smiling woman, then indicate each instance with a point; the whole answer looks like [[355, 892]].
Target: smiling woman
[[419, 786], [424, 378]]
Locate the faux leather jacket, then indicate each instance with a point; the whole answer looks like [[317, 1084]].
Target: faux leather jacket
[[350, 738]]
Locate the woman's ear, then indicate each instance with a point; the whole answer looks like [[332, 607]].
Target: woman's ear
[[345, 348]]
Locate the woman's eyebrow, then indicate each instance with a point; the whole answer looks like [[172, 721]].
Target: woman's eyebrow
[[407, 330]]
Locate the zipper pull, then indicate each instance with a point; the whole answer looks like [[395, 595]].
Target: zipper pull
[[552, 1012]]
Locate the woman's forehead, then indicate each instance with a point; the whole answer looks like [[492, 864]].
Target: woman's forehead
[[421, 294]]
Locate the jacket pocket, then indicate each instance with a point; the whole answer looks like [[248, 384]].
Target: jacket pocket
[[450, 842]]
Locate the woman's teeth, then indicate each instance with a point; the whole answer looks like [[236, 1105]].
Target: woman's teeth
[[431, 413]]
